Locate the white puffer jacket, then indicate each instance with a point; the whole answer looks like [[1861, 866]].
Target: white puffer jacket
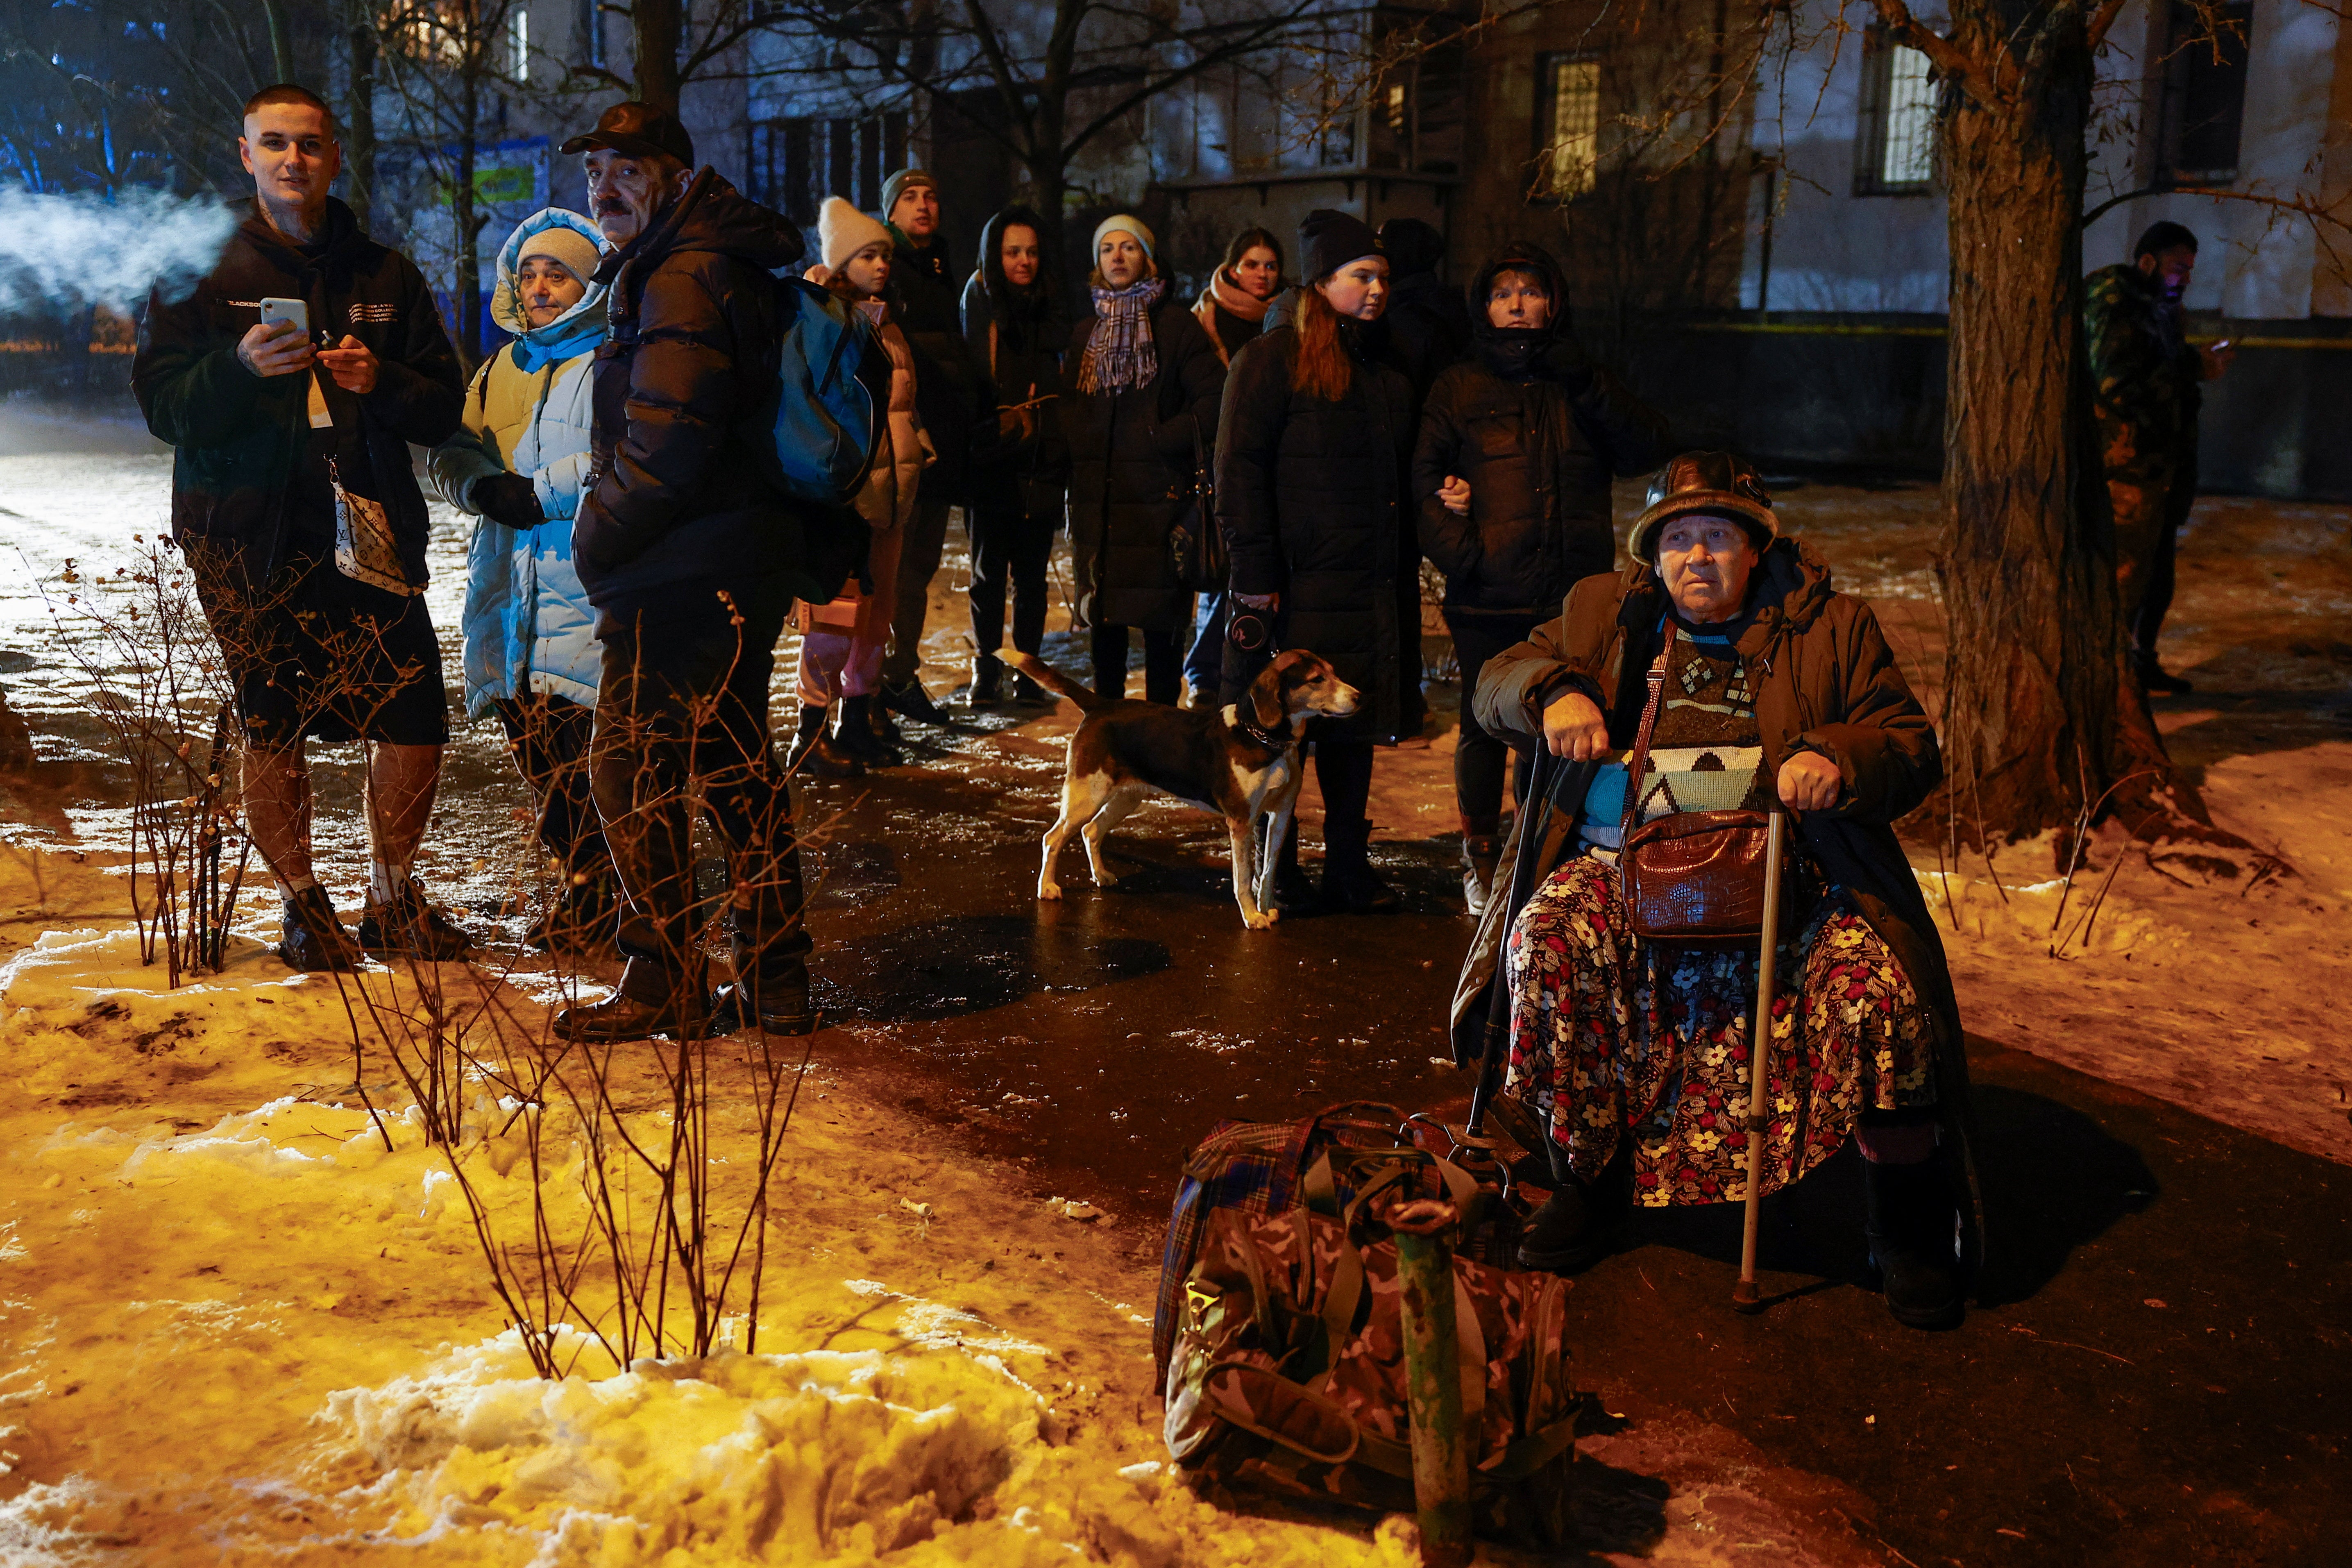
[[528, 624]]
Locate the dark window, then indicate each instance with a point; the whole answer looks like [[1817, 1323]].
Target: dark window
[[2201, 97], [783, 166], [1568, 126], [1895, 151], [592, 32], [1416, 114]]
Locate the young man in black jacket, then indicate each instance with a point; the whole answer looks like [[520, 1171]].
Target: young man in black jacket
[[687, 549], [293, 497], [947, 391]]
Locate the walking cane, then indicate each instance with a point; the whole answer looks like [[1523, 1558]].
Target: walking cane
[[1744, 1298]]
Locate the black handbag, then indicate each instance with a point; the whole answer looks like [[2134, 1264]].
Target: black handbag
[[1196, 543]]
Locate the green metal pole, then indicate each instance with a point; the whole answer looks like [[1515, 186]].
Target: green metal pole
[[1433, 1362]]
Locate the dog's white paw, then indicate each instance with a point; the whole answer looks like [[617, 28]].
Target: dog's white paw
[[1262, 920], [1049, 892]]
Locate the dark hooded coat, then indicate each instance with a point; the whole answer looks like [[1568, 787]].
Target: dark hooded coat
[[948, 390], [1828, 684], [683, 496], [1134, 457], [1427, 319], [1015, 339], [1538, 434], [241, 438], [1313, 501]]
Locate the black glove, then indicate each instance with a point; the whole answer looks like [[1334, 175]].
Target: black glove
[[510, 499]]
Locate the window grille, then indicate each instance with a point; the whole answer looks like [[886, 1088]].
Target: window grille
[[1568, 126], [1894, 154]]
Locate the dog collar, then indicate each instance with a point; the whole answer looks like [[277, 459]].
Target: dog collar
[[1267, 738]]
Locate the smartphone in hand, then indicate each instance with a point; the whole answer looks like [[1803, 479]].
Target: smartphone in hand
[[296, 312]]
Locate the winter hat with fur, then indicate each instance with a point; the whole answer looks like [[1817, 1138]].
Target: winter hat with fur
[[842, 231]]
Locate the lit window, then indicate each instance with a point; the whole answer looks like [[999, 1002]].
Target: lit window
[[1568, 126], [1895, 153], [519, 44]]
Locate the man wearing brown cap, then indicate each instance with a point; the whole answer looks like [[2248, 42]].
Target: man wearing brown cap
[[687, 553]]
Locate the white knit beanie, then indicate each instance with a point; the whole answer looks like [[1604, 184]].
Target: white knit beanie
[[1130, 224], [842, 231], [567, 248]]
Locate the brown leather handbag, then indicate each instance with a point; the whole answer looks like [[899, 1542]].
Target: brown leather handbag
[[1696, 877]]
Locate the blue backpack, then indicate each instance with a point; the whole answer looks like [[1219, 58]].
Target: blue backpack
[[836, 378]]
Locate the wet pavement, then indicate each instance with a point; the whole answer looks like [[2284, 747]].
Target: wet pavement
[[2157, 1370]]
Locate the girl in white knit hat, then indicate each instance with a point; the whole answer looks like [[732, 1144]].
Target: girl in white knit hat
[[842, 642]]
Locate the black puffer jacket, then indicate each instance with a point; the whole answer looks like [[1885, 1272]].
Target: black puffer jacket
[[681, 495], [1132, 465], [1019, 457], [1313, 500], [1538, 434], [949, 390], [239, 436]]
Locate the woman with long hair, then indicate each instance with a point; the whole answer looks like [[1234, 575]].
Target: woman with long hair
[[1317, 433], [1140, 387], [1233, 309], [1019, 464]]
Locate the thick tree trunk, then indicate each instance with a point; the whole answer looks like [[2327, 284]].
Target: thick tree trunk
[[2039, 707], [658, 27]]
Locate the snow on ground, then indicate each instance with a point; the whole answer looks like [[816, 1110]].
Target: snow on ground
[[248, 1330]]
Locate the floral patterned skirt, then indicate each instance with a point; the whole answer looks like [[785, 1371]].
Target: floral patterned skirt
[[1615, 1038]]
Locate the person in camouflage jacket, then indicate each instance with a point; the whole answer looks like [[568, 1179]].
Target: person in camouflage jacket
[[2146, 379]]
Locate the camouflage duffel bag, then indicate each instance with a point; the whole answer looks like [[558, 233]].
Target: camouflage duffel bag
[[1288, 1375], [1259, 1168]]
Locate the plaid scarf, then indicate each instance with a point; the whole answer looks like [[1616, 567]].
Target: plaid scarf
[[1120, 356]]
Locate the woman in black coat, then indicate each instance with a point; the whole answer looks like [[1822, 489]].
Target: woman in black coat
[[1511, 477], [1019, 464], [1314, 440], [1140, 387]]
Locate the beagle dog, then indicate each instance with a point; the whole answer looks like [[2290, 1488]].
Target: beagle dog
[[1239, 762]]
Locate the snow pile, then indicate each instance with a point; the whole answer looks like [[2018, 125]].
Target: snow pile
[[815, 1457]]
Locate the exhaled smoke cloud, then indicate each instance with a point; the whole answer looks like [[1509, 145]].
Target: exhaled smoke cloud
[[62, 252]]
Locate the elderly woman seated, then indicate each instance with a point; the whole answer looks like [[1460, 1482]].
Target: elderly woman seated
[[1633, 1055]]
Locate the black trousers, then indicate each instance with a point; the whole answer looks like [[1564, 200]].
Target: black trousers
[[1163, 663], [2155, 599], [1479, 756], [681, 724], [548, 737], [1010, 549]]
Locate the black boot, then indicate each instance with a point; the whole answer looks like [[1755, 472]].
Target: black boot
[[311, 937], [780, 1005], [2156, 680], [814, 754], [1350, 883], [987, 682], [1480, 855], [1582, 1221], [909, 700], [584, 921], [651, 1001], [411, 926], [854, 734], [1913, 1227], [1294, 891]]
